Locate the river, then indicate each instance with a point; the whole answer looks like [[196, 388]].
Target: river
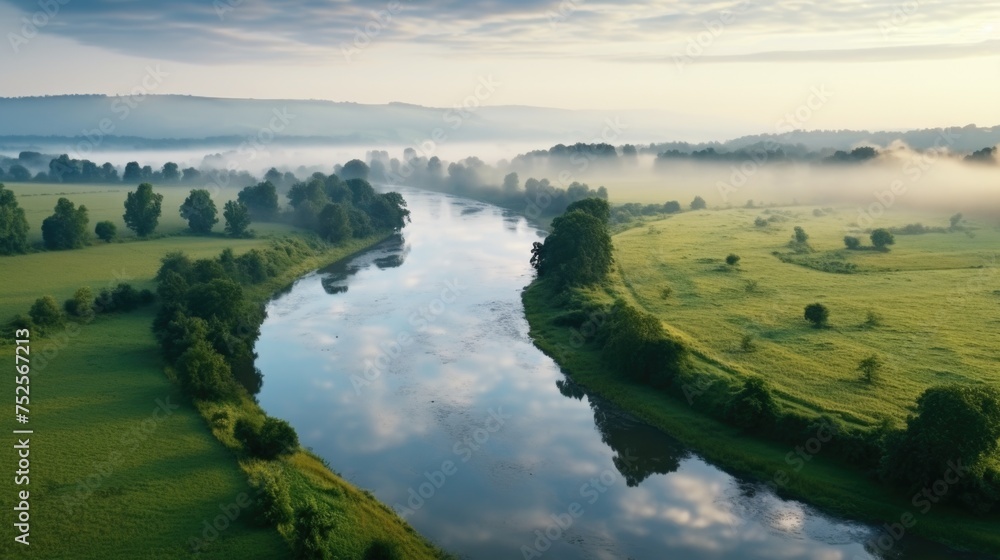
[[409, 368]]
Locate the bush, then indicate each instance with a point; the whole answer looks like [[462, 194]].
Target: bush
[[46, 314], [672, 207], [870, 368], [817, 314], [882, 238], [800, 235], [851, 242], [313, 525], [106, 231], [760, 222], [19, 322], [752, 408], [274, 502], [81, 305], [204, 373], [269, 439], [732, 259]]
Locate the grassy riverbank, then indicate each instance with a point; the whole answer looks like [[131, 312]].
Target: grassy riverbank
[[709, 308], [122, 464]]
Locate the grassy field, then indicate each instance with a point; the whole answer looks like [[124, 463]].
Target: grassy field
[[937, 295], [111, 478]]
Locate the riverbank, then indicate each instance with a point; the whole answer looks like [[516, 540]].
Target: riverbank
[[823, 481], [116, 446]]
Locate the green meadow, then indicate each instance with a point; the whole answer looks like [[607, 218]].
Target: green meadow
[[110, 475], [934, 298]]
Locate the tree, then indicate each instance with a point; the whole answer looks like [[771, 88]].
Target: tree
[[199, 211], [355, 169], [511, 183], [870, 368], [882, 238], [268, 440], [67, 227], [106, 231], [132, 172], [171, 173], [204, 373], [578, 251], [82, 304], [261, 199], [759, 221], [142, 210], [312, 528], [333, 223], [817, 314], [852, 242], [672, 207], [955, 220], [19, 173], [732, 259], [596, 207], [800, 235], [45, 312], [953, 425], [237, 217], [698, 203], [13, 224], [752, 407]]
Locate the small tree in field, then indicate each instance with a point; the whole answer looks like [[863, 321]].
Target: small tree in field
[[732, 259], [199, 211], [237, 217], [142, 209], [817, 314], [851, 242], [870, 368], [106, 231], [800, 235], [698, 203], [46, 313], [882, 238]]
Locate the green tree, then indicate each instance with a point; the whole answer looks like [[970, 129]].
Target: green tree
[[204, 373], [237, 217], [698, 203], [67, 227], [312, 528], [596, 207], [333, 223], [852, 242], [752, 407], [106, 231], [45, 313], [800, 235], [578, 251], [171, 173], [957, 424], [132, 172], [199, 211], [882, 238], [672, 207], [732, 259], [870, 368], [817, 314], [82, 304], [13, 224], [261, 199], [142, 209]]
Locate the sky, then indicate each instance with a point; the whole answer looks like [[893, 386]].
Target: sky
[[806, 63]]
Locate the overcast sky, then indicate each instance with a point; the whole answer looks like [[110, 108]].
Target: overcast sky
[[874, 65]]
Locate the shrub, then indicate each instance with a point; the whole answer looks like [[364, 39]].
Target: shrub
[[666, 292], [274, 502], [46, 314], [747, 343], [760, 222], [800, 235], [19, 322], [82, 304], [313, 525], [873, 319], [870, 368], [882, 238], [752, 407], [672, 207], [106, 231], [751, 286], [204, 373], [851, 242], [268, 439], [698, 203], [732, 259], [817, 314]]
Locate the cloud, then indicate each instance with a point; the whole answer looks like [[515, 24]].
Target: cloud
[[247, 31]]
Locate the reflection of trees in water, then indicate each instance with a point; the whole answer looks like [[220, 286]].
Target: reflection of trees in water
[[391, 253], [641, 450]]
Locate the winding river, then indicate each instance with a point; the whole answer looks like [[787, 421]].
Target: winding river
[[409, 368]]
